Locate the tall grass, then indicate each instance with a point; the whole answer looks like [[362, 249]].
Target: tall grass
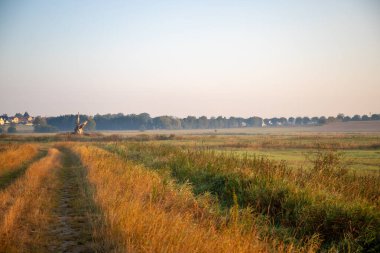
[[148, 212], [16, 155], [328, 202], [25, 206]]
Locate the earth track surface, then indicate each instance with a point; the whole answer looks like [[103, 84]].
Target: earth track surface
[[75, 215]]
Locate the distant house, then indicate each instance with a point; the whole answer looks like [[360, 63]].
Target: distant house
[[22, 120], [29, 121], [14, 120]]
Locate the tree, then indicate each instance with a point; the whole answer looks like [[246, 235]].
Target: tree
[[314, 120], [189, 122], [26, 115], [166, 122], [356, 118], [298, 121], [221, 122], [331, 119], [12, 129], [340, 116], [18, 115], [203, 122], [305, 120], [39, 121], [41, 126], [283, 121], [254, 122], [144, 121], [291, 121], [346, 118], [365, 117], [91, 124], [375, 117], [322, 120], [274, 121]]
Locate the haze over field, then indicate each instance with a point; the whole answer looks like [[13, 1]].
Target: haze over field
[[231, 58]]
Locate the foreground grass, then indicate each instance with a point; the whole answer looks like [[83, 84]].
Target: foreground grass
[[15, 156], [25, 205], [193, 194], [146, 212], [341, 209]]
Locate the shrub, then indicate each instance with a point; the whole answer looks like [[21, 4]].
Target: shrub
[[12, 129]]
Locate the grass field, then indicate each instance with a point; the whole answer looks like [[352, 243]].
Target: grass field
[[191, 192]]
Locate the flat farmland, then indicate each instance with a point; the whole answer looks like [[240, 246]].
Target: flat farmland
[[191, 191]]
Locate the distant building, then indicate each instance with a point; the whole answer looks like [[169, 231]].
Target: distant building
[[14, 120], [29, 121]]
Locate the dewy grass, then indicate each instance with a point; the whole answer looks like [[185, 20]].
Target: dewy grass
[[147, 212], [340, 207]]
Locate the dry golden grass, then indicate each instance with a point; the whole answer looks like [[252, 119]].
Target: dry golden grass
[[25, 207], [146, 212], [16, 155]]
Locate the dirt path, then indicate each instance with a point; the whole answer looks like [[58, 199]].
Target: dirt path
[[73, 229]]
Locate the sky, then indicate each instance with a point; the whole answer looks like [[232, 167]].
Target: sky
[[231, 58]]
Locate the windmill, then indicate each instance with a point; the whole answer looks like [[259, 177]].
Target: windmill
[[79, 127]]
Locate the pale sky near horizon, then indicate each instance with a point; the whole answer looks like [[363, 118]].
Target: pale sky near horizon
[[231, 58]]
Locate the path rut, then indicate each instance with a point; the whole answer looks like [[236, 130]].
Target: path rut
[[73, 229]]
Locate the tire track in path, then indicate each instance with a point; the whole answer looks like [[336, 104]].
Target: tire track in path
[[75, 213]]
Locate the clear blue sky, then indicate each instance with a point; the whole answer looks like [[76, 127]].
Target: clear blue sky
[[240, 58]]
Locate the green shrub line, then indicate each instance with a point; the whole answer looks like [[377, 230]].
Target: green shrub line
[[269, 189]]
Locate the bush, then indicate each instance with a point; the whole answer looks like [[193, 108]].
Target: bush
[[12, 129], [45, 129]]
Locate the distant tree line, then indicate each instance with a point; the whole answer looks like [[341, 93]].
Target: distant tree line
[[144, 121], [67, 122]]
